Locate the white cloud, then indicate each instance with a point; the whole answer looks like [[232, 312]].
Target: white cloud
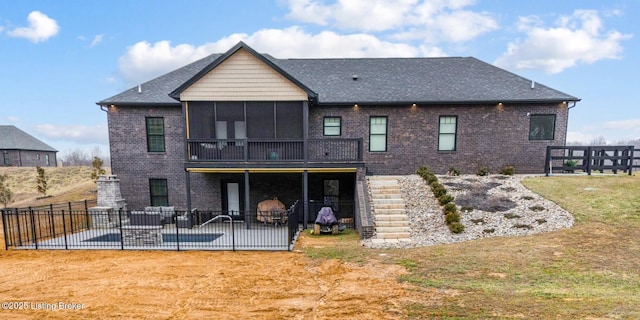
[[1, 28], [13, 119], [612, 131], [40, 28], [574, 137], [97, 39], [432, 21], [575, 39], [81, 134], [143, 60], [632, 125]]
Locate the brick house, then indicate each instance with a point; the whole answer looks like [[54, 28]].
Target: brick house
[[20, 149], [232, 129]]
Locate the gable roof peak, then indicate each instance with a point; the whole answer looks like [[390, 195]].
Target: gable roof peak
[[175, 94]]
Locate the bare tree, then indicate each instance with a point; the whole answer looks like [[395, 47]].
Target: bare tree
[[6, 196], [79, 157], [76, 157], [42, 181], [599, 141]]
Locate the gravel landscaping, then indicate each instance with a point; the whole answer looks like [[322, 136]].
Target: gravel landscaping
[[495, 206]]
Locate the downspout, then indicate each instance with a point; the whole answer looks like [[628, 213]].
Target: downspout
[[567, 124], [102, 107]]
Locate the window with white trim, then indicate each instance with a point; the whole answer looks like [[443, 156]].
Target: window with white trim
[[378, 134], [332, 126], [447, 133]]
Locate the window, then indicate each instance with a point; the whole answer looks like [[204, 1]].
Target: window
[[159, 192], [155, 134], [378, 134], [332, 126], [542, 126], [5, 156], [332, 193], [447, 133], [46, 159]]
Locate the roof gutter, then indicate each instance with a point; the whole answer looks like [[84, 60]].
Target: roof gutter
[[139, 104], [391, 103]]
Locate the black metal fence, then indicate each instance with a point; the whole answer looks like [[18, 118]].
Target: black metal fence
[[591, 159], [136, 230], [24, 225]]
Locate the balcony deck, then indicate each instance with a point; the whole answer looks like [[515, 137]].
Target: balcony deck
[[274, 151]]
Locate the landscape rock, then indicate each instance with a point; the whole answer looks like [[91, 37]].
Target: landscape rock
[[513, 210]]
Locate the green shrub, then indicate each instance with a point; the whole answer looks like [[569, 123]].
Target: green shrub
[[423, 171], [430, 178], [537, 208], [452, 217], [456, 227], [484, 171], [445, 199], [508, 171], [466, 209], [449, 208], [511, 216], [439, 190], [453, 171]]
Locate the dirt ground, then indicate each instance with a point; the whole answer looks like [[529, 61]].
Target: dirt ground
[[199, 285]]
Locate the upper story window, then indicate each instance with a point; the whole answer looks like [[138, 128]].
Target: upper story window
[[332, 126], [447, 133], [155, 134], [378, 134], [542, 126], [159, 192]]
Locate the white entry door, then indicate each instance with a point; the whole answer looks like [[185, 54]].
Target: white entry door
[[233, 197]]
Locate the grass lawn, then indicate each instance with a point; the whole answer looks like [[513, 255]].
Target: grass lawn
[[589, 271]]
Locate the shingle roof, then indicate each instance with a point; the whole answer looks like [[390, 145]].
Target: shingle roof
[[12, 138], [415, 80], [157, 90], [378, 80]]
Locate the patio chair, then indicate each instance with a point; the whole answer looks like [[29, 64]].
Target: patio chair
[[186, 220], [145, 218]]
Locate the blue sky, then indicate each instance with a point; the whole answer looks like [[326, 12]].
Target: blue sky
[[57, 58]]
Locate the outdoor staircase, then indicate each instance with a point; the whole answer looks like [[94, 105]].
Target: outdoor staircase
[[387, 206]]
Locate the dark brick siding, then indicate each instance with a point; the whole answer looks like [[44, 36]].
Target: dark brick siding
[[28, 158], [486, 136], [134, 166]]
